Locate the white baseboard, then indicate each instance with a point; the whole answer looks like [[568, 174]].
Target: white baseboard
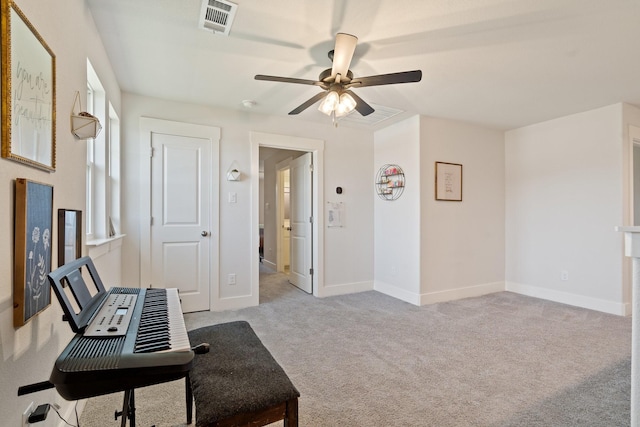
[[271, 265], [440, 296], [345, 288], [235, 303], [459, 293], [620, 309], [396, 292]]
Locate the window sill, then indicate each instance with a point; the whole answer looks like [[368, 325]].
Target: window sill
[[100, 242]]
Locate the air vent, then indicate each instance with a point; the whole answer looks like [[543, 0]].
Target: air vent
[[380, 114], [217, 16]]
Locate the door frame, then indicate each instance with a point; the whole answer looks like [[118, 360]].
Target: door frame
[[633, 139], [149, 126], [288, 142]]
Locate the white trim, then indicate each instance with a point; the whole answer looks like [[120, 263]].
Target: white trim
[[147, 127], [287, 142], [100, 242], [440, 296], [627, 285], [270, 264], [347, 288], [466, 292], [620, 309], [396, 292]]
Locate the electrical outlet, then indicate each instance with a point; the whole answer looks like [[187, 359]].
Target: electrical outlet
[[26, 413], [564, 275], [232, 279]]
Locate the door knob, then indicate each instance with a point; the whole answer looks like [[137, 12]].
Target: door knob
[[204, 234]]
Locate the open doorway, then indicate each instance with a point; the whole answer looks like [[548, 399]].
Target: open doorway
[[269, 150], [276, 216]]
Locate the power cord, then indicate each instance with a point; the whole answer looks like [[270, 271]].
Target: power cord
[[56, 407]]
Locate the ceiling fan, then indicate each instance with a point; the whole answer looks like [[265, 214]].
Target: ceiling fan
[[337, 97]]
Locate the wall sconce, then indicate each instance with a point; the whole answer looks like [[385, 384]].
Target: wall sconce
[[83, 124], [233, 175]]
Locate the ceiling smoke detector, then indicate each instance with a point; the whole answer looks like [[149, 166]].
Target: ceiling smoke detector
[[217, 16]]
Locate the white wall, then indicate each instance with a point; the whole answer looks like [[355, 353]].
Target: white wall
[[428, 251], [566, 191], [28, 353], [347, 159], [463, 242], [397, 222]]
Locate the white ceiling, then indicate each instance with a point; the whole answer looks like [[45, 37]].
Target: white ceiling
[[499, 63]]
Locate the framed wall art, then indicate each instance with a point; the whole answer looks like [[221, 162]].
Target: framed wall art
[[32, 249], [69, 235], [448, 181], [28, 92]]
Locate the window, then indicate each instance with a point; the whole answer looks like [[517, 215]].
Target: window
[[90, 169], [113, 182], [103, 164]]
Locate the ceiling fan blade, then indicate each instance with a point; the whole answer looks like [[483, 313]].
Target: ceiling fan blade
[[343, 53], [291, 80], [361, 107], [387, 79], [308, 103]]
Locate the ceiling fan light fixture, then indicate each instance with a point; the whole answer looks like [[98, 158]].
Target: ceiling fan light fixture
[[329, 103], [337, 81], [346, 105]]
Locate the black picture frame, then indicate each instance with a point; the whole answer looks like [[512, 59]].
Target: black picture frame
[[69, 235], [448, 182]]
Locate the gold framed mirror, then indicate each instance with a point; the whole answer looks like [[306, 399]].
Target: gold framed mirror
[[28, 92]]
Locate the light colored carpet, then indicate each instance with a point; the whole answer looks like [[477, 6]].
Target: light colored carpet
[[371, 360]]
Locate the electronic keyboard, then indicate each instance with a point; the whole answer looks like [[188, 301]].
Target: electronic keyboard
[[129, 338]]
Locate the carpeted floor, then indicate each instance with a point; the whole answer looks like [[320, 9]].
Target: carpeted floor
[[371, 360]]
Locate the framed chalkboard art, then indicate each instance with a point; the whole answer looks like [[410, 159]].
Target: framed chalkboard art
[[32, 249]]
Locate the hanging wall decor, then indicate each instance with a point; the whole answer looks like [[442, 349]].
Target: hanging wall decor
[[32, 249], [28, 92], [389, 182], [83, 125]]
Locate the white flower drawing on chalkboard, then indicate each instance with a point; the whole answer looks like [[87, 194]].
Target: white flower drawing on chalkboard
[[37, 268]]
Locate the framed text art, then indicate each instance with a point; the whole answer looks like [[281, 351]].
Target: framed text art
[[32, 249], [448, 181], [28, 92]]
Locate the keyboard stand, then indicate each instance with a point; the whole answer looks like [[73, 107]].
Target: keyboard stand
[[128, 409]]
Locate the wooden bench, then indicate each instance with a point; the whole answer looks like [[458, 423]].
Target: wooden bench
[[238, 382]]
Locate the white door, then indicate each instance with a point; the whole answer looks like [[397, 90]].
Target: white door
[[284, 220], [181, 170], [301, 196]]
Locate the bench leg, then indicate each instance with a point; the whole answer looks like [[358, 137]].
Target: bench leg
[[291, 415], [189, 398]]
